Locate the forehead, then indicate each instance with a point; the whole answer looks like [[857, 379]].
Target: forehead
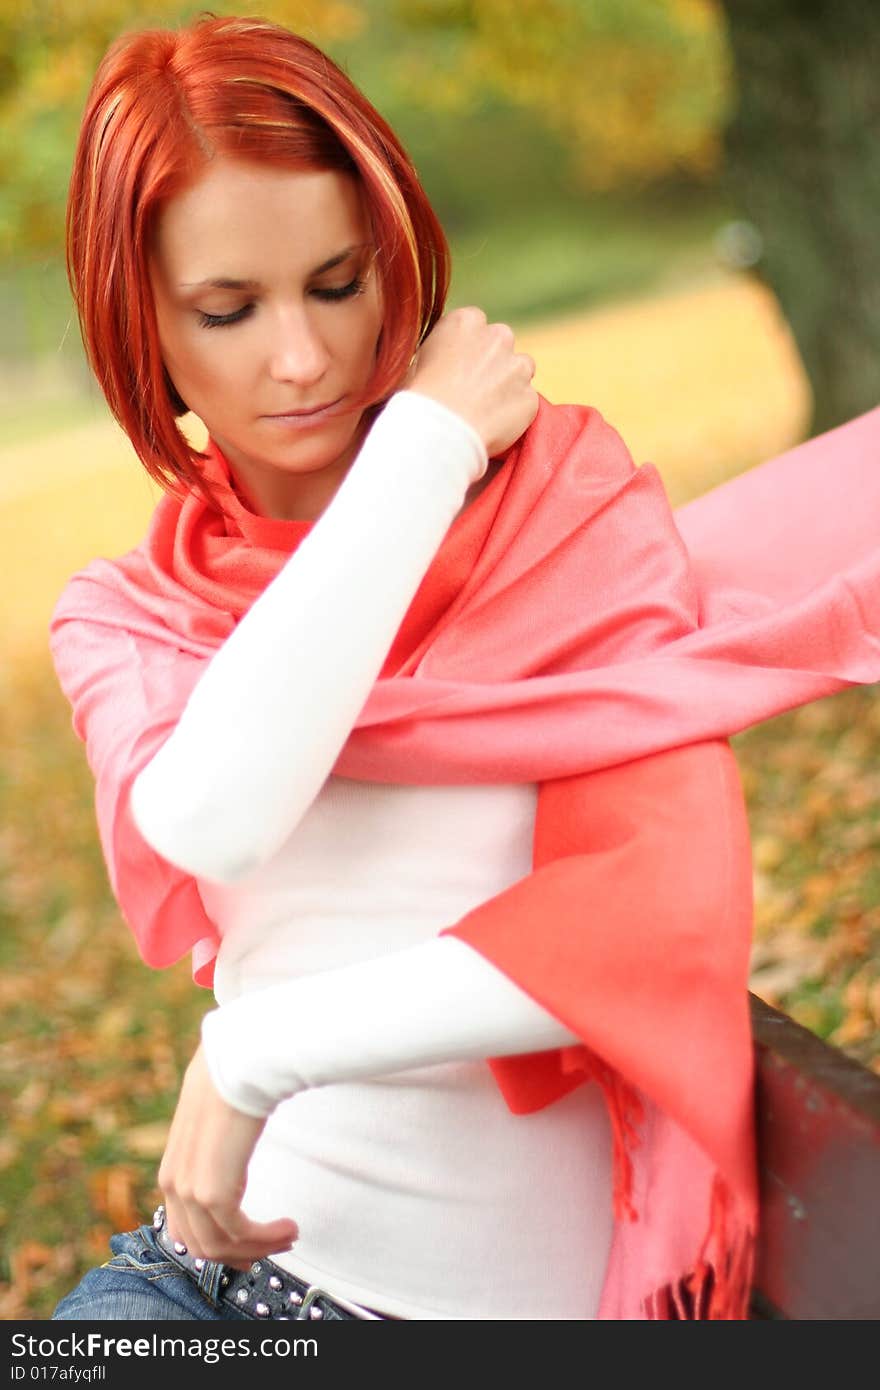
[[239, 216]]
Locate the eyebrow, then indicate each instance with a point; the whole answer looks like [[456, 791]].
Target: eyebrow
[[225, 283]]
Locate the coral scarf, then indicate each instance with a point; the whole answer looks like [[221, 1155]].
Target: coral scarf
[[563, 629]]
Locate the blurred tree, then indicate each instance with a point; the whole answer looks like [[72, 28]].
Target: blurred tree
[[804, 162], [637, 88]]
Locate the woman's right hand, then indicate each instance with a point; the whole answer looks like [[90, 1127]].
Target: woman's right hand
[[470, 366], [203, 1175]]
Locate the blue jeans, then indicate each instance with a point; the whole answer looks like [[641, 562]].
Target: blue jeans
[[141, 1282]]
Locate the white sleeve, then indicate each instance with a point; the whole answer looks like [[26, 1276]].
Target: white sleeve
[[437, 1002], [268, 719]]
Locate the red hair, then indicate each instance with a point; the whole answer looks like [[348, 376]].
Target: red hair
[[162, 105]]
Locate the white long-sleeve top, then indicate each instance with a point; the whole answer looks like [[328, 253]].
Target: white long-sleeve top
[[338, 999]]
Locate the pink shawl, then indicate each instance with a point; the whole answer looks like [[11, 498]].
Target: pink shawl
[[571, 632]]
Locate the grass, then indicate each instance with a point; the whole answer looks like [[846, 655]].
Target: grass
[[813, 791], [23, 422], [93, 1044], [544, 259]]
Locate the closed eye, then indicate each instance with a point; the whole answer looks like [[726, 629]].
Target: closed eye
[[218, 320], [334, 292], [329, 293]]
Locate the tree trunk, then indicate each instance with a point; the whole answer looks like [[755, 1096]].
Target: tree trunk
[[804, 165]]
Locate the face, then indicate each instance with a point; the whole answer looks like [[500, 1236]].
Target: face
[[269, 313]]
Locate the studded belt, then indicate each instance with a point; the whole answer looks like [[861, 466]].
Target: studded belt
[[263, 1291]]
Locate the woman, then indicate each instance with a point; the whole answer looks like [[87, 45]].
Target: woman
[[382, 725]]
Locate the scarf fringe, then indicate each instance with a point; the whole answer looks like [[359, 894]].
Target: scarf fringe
[[626, 1112], [719, 1287]]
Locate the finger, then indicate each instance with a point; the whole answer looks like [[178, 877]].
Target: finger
[[178, 1226], [504, 333], [228, 1236], [240, 1254], [271, 1242], [198, 1222], [470, 313], [528, 364], [221, 1250], [264, 1237]]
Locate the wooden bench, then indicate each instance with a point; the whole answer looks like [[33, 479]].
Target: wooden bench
[[819, 1163]]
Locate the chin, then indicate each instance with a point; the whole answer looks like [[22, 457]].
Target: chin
[[311, 457], [321, 450]]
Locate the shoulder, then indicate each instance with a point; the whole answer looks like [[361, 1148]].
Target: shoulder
[[582, 490], [134, 592], [116, 657], [99, 603], [96, 589], [578, 440]]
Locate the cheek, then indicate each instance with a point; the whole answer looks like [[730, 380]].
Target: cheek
[[205, 364], [371, 317], [368, 337], [178, 357]]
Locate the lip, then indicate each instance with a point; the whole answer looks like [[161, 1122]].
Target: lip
[[303, 417]]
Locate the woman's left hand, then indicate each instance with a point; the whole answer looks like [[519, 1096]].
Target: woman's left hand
[[203, 1174]]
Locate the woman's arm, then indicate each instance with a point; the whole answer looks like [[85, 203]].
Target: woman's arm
[[268, 719], [436, 1002], [640, 904]]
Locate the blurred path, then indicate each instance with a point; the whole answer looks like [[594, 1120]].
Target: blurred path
[[702, 382]]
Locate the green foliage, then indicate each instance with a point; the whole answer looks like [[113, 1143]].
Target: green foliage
[[637, 88], [633, 89]]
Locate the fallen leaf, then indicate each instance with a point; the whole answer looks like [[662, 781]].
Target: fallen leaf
[[31, 1255], [148, 1140], [112, 1192]]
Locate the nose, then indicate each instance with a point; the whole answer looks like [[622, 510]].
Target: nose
[[298, 353]]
